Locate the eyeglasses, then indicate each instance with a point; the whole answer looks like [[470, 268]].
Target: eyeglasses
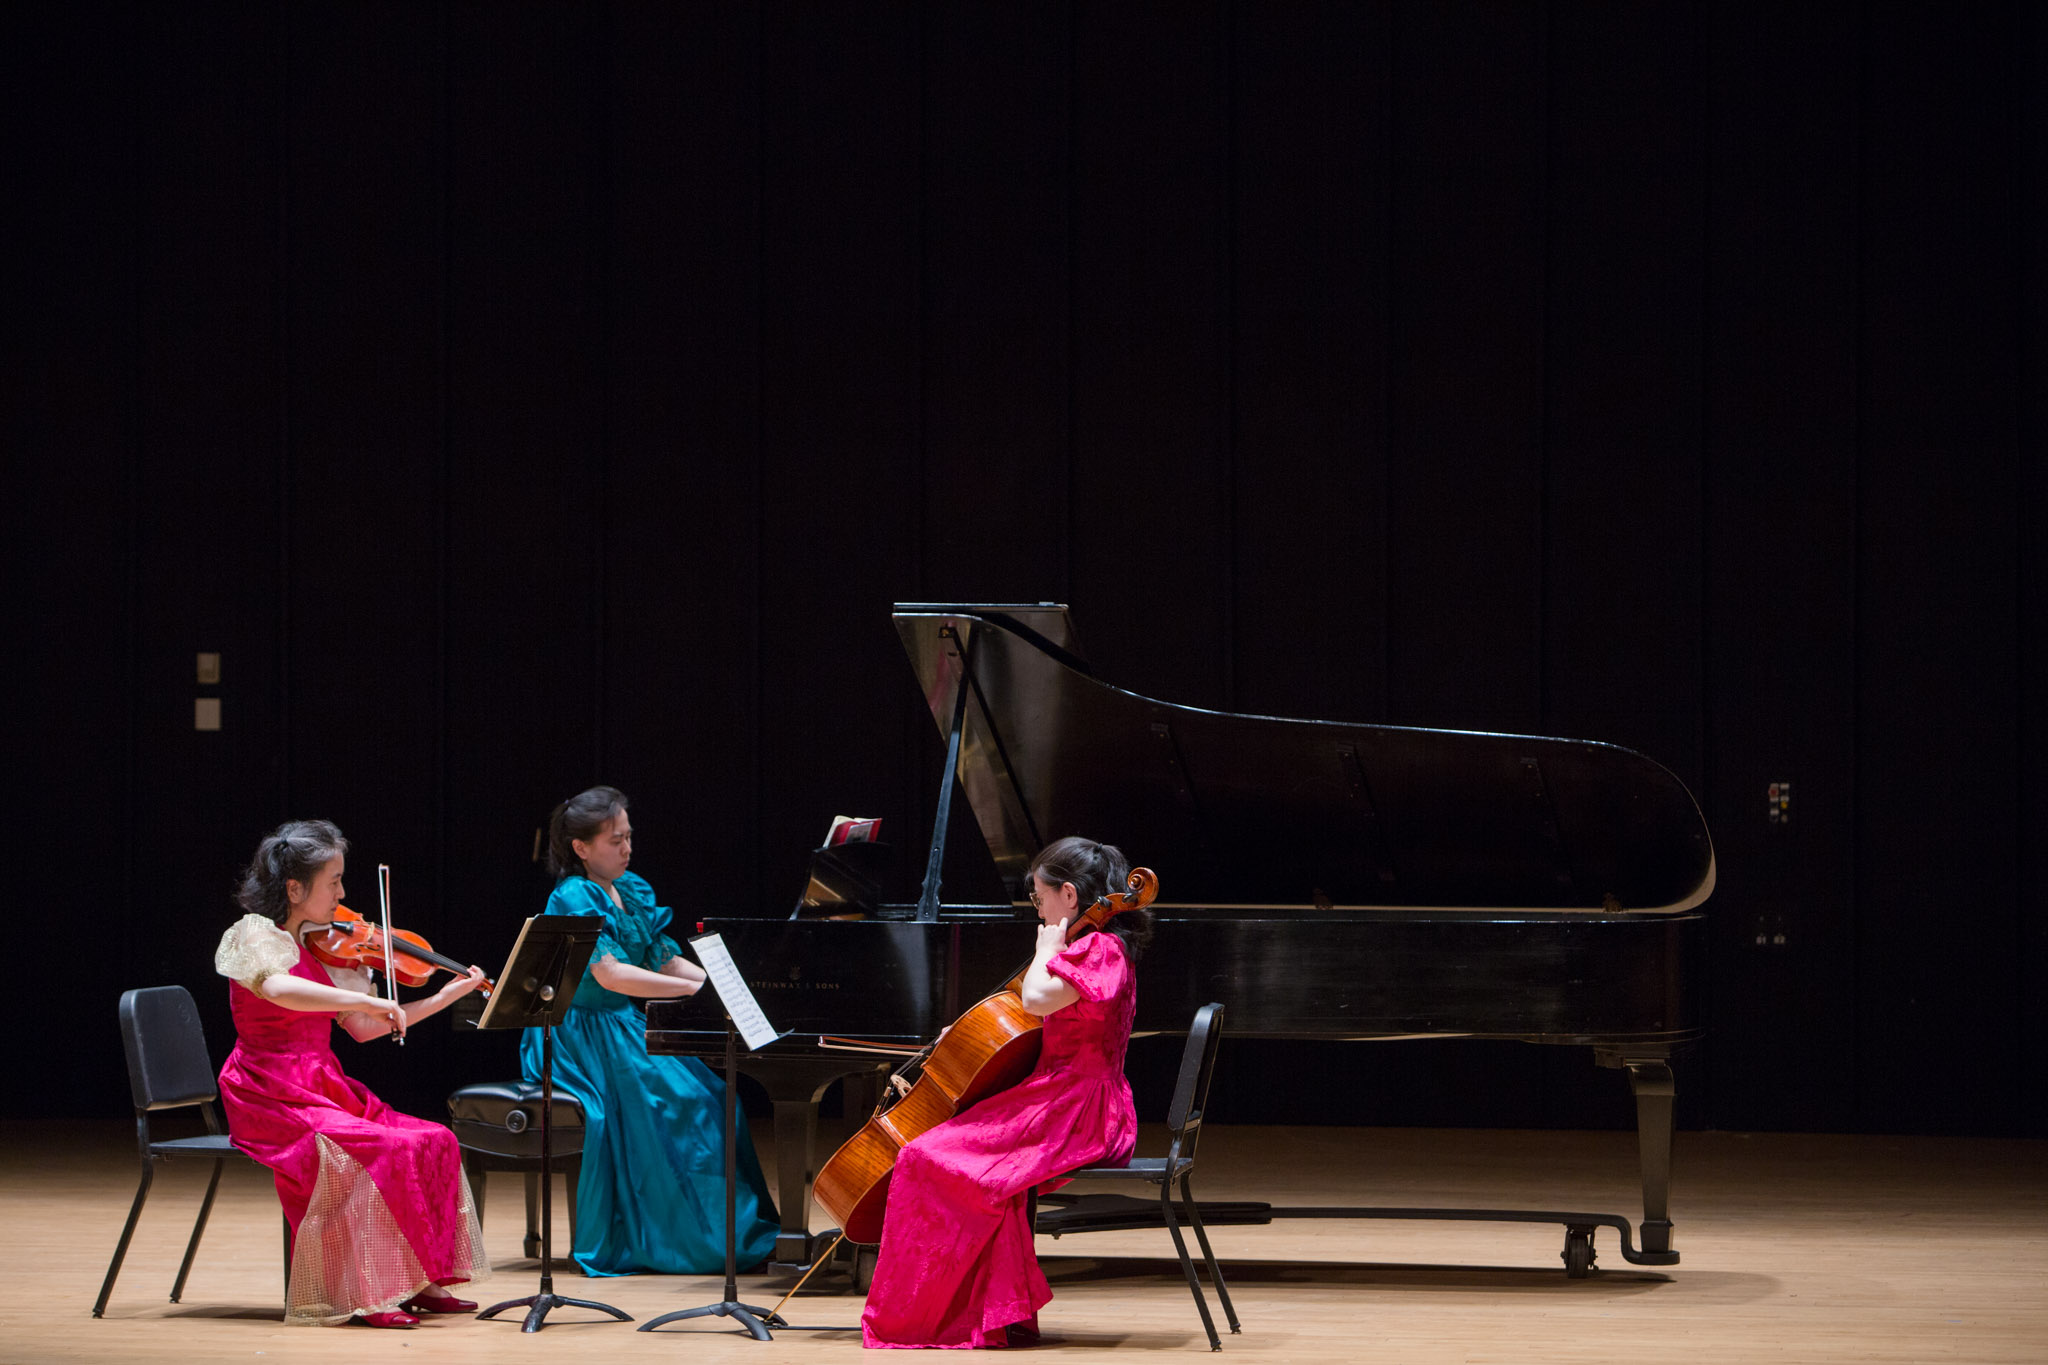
[[1034, 898]]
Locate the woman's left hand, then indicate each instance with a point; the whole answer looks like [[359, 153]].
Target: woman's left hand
[[462, 985]]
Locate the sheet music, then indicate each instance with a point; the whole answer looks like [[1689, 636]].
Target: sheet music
[[499, 993], [732, 991]]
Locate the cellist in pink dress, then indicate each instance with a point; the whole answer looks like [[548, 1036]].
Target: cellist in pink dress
[[381, 1216], [956, 1267]]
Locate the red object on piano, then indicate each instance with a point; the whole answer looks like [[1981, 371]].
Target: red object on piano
[[847, 829]]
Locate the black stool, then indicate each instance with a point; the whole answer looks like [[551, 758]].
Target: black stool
[[498, 1125]]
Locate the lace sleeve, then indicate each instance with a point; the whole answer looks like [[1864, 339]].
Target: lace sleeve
[[252, 949]]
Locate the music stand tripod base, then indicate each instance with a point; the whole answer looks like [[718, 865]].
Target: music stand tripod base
[[538, 1306], [551, 950], [756, 1320]]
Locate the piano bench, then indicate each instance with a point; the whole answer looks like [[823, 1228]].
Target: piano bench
[[497, 1124]]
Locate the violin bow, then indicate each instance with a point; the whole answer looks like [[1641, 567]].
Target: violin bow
[[390, 951]]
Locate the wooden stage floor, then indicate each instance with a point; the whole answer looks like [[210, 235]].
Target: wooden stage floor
[[1797, 1248]]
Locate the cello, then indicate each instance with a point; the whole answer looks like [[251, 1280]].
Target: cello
[[991, 1047]]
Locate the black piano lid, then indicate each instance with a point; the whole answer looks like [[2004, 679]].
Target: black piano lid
[[1261, 811]]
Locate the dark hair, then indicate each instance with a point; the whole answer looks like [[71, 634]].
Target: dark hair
[[293, 852], [1095, 870], [582, 816]]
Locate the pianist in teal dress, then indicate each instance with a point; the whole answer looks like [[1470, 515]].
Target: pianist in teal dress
[[652, 1195]]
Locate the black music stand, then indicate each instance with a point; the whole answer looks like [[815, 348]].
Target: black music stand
[[550, 950], [756, 1320]]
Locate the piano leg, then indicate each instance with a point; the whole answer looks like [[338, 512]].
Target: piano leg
[[796, 1138], [1649, 1077], [795, 1087]]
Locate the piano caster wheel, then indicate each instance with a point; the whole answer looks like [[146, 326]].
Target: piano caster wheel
[[1578, 1252]]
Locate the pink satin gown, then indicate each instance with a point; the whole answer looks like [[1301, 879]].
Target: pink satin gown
[[377, 1202], [956, 1265]]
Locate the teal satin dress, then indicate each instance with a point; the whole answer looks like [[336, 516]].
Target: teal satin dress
[[652, 1196]]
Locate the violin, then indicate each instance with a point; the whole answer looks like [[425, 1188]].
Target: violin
[[352, 941], [990, 1048]]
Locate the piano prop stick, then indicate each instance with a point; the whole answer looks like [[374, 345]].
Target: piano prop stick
[[990, 1048]]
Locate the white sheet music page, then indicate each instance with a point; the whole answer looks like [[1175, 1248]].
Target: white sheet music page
[[732, 991]]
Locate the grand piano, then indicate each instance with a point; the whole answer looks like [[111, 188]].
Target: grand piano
[[1322, 880]]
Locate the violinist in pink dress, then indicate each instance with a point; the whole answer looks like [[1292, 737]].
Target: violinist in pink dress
[[956, 1267], [380, 1214]]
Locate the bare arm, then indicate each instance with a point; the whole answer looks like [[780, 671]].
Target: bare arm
[[363, 1025], [665, 984], [1043, 992], [684, 968], [297, 993]]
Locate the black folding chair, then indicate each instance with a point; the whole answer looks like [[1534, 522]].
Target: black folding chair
[[168, 1069], [1184, 1127]]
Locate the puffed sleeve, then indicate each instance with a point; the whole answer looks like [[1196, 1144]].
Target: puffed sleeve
[[580, 896], [660, 945], [254, 948], [1094, 965]]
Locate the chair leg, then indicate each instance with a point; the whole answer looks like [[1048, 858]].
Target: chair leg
[[198, 1229], [127, 1235], [1187, 1266], [531, 1246], [1202, 1236], [286, 1219]]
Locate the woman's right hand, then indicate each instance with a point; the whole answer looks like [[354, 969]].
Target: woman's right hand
[[390, 1011], [1051, 938]]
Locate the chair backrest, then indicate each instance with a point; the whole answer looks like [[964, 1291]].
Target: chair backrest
[[1191, 1087], [166, 1047]]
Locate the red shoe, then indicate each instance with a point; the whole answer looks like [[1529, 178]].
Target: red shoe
[[437, 1303], [387, 1320]]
